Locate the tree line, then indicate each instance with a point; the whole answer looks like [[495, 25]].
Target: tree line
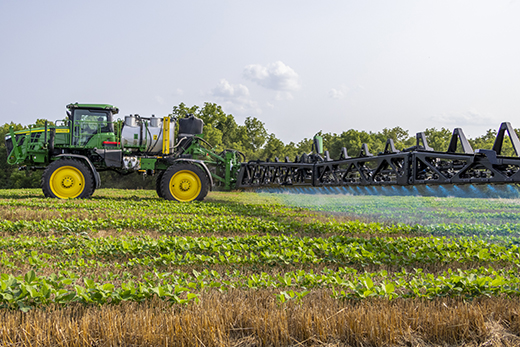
[[255, 142]]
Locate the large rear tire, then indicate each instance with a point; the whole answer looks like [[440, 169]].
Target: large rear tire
[[158, 179], [184, 182], [68, 179]]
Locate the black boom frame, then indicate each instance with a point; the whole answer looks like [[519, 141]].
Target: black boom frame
[[417, 165]]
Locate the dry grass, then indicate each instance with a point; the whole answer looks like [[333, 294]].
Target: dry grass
[[254, 318]]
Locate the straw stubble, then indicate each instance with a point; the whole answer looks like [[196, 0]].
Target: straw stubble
[[245, 318]]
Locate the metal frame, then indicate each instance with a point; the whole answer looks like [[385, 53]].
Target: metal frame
[[417, 165]]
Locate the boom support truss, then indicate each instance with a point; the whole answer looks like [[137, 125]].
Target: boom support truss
[[417, 165]]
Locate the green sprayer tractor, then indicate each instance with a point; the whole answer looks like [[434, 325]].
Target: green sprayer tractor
[[90, 140], [72, 152]]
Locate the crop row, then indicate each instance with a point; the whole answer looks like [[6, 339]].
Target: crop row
[[413, 209], [201, 224], [448, 216], [145, 207], [132, 251], [30, 290], [416, 210]]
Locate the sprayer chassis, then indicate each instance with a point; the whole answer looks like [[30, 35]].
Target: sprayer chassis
[[72, 153]]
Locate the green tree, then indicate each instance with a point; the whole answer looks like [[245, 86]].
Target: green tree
[[304, 146], [220, 129], [26, 178], [400, 137], [40, 123], [439, 140], [256, 134], [274, 148], [487, 141], [6, 170], [352, 140], [290, 151]]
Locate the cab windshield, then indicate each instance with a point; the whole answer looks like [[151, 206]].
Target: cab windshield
[[94, 121]]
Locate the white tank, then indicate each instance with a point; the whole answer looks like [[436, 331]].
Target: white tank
[[144, 134]]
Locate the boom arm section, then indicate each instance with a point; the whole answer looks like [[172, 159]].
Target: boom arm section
[[418, 165]]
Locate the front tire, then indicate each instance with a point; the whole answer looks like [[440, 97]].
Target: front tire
[[68, 179], [184, 182]]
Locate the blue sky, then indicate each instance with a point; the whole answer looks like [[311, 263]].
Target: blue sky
[[298, 66]]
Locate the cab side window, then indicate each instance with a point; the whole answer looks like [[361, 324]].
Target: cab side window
[[89, 122]]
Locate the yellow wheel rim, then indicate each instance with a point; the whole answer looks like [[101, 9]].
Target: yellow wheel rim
[[185, 185], [67, 182]]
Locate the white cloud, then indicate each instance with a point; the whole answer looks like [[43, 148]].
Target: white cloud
[[235, 98], [159, 99], [178, 92], [246, 108], [280, 96], [470, 117], [339, 93], [226, 90], [276, 76], [343, 91], [336, 93]]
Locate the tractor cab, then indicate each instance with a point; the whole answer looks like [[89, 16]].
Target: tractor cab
[[91, 124]]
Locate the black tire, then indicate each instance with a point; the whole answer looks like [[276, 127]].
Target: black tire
[[158, 179], [184, 182], [68, 179]]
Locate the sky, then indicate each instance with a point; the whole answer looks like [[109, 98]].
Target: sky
[[298, 66]]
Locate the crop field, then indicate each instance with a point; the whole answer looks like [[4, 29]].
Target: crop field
[[126, 268]]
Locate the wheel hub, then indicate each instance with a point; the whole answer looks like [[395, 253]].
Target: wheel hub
[[185, 185], [67, 182]]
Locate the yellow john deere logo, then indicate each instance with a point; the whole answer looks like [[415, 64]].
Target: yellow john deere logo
[[41, 130]]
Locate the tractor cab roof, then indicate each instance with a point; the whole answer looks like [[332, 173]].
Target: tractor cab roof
[[114, 109]]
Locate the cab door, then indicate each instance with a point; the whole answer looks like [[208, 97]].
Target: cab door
[[86, 124]]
